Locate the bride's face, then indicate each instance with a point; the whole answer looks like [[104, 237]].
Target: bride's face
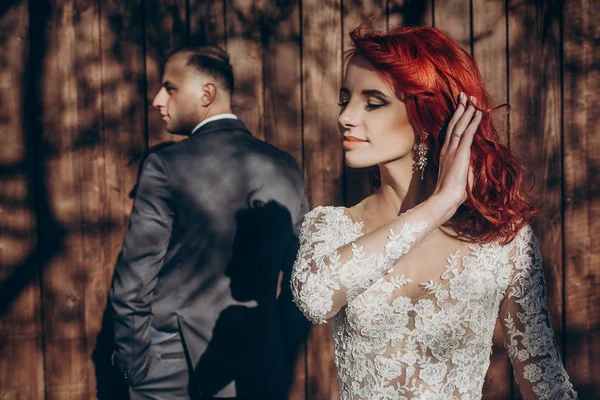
[[372, 120]]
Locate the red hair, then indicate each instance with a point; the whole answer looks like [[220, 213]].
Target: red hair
[[428, 70]]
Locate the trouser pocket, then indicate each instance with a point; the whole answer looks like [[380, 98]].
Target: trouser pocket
[[168, 374]]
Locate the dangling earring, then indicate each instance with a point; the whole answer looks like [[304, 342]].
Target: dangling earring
[[422, 149]]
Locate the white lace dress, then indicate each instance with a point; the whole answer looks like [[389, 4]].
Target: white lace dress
[[437, 345]]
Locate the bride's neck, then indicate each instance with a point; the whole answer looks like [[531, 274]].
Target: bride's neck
[[401, 189]]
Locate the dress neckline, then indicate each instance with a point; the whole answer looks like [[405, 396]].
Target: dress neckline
[[472, 255]]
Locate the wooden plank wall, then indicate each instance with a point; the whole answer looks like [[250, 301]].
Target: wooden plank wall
[[77, 78]]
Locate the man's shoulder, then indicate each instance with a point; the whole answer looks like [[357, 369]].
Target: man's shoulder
[[167, 148], [263, 155], [270, 159], [236, 146], [271, 152]]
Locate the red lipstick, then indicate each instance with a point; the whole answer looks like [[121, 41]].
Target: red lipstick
[[351, 142]]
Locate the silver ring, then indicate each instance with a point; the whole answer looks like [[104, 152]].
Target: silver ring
[[457, 135]]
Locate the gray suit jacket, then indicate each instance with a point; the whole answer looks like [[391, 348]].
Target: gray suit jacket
[[214, 224]]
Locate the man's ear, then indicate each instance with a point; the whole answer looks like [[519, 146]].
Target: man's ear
[[209, 94]]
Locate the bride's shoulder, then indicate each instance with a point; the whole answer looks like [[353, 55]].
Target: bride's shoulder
[[327, 212], [524, 235], [330, 216], [523, 243]]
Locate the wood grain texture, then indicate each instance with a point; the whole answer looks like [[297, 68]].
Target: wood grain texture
[[453, 17], [582, 194], [323, 165], [124, 145], [207, 22], [535, 124], [245, 49], [166, 28], [89, 147], [282, 77], [21, 353], [356, 12], [72, 136], [489, 50], [321, 72]]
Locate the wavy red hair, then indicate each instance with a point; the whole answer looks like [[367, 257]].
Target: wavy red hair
[[428, 70]]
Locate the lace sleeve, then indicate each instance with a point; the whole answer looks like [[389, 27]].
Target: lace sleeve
[[528, 335], [333, 267]]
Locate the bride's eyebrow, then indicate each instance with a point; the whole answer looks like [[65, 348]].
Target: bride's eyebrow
[[368, 93], [375, 93]]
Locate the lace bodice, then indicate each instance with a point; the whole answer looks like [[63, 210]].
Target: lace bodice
[[437, 345]]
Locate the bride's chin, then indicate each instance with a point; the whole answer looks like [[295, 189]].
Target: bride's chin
[[357, 164]]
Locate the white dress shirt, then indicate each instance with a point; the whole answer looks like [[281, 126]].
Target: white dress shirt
[[214, 118]]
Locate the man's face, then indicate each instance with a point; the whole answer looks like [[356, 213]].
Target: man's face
[[179, 99]]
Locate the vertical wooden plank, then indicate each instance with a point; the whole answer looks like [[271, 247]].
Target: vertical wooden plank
[[321, 72], [207, 22], [21, 356], [356, 181], [582, 194], [453, 17], [489, 50], [123, 118], [355, 12], [244, 46], [282, 83], [535, 95], [280, 37], [489, 46], [87, 274], [92, 274], [71, 139], [166, 29], [409, 13]]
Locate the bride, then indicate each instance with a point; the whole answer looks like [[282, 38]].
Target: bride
[[414, 277]]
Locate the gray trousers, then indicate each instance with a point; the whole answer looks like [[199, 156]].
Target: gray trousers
[[168, 375]]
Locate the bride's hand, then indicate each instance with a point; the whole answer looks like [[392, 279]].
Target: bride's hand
[[455, 171]]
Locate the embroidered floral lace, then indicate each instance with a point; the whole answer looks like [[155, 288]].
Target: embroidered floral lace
[[437, 346]]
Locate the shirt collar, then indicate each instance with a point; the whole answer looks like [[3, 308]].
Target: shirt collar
[[214, 118]]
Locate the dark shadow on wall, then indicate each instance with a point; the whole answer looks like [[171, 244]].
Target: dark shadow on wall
[[50, 233], [254, 346], [109, 380], [412, 11]]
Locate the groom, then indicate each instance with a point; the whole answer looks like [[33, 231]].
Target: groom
[[201, 299]]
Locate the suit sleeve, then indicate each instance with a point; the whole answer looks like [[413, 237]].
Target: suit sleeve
[[144, 247]]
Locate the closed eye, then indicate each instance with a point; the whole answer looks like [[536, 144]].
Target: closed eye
[[371, 107]]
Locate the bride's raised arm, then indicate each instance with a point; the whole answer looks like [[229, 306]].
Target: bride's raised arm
[[328, 273]]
